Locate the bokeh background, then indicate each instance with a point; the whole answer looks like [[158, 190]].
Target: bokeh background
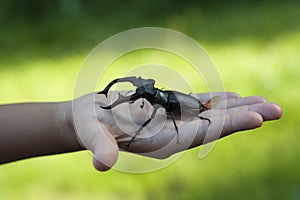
[[255, 45]]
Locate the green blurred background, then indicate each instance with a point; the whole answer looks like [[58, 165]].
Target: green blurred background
[[255, 45]]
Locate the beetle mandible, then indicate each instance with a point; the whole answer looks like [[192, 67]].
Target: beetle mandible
[[174, 102]]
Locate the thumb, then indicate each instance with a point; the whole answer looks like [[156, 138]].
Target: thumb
[[96, 138], [92, 134], [106, 152]]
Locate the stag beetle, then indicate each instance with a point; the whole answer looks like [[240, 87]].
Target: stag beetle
[[174, 102]]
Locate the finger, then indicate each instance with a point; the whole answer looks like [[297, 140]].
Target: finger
[[225, 125], [269, 111], [235, 102], [236, 122], [203, 97], [220, 127]]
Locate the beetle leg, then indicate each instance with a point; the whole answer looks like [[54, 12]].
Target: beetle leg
[[155, 108], [204, 118], [175, 125], [200, 117]]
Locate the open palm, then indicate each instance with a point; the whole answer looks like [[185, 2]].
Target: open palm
[[105, 131]]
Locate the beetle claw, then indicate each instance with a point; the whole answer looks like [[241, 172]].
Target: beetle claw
[[204, 118]]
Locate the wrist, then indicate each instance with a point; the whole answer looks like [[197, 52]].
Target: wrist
[[67, 127]]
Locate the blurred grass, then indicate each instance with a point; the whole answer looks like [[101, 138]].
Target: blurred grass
[[256, 48]]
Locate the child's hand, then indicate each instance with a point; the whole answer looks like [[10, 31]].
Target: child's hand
[[105, 131]]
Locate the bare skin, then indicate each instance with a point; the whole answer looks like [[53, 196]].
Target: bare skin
[[37, 129]]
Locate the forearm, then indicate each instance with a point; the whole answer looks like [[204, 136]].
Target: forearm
[[35, 129]]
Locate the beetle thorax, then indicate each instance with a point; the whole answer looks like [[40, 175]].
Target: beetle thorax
[[146, 90], [160, 98]]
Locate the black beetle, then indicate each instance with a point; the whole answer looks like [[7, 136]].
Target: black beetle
[[174, 102]]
